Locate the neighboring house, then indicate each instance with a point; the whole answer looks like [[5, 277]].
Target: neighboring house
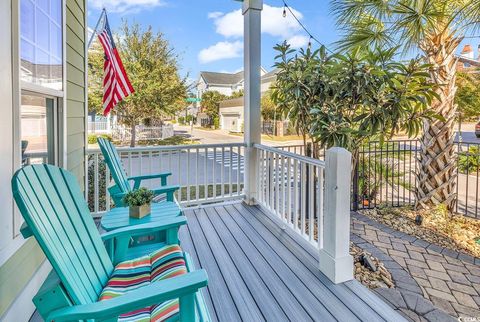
[[231, 110], [225, 83], [231, 115], [43, 94], [467, 62]]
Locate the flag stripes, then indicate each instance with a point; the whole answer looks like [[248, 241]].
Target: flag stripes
[[116, 85]]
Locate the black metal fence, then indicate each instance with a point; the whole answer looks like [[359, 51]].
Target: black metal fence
[[385, 176], [279, 128]]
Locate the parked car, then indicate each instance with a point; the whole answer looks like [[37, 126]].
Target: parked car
[[477, 129]]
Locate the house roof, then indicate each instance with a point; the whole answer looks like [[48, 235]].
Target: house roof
[[270, 76], [222, 78], [232, 78], [233, 102], [470, 61]]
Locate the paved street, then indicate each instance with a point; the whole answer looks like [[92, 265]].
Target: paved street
[[205, 136]]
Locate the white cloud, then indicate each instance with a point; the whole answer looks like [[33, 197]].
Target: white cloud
[[298, 41], [215, 14], [273, 23], [123, 6], [221, 50], [230, 26]]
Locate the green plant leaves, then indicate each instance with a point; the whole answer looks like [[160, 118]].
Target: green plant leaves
[[344, 100], [139, 197]]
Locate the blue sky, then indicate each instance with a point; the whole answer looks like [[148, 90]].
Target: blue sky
[[207, 33]]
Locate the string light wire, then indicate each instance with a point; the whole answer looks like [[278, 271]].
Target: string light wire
[[287, 7]]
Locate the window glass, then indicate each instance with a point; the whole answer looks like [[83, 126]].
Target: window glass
[[41, 42], [37, 124]]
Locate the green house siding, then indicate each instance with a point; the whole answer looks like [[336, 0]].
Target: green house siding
[[17, 271], [75, 65]]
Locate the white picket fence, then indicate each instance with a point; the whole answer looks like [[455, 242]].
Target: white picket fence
[[142, 132]]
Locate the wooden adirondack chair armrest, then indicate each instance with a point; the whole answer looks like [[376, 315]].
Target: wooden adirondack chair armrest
[[158, 292], [168, 190], [137, 180], [145, 229]]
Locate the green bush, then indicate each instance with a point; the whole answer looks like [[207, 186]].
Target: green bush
[[101, 193], [92, 138], [216, 122], [181, 120], [469, 162], [139, 197]]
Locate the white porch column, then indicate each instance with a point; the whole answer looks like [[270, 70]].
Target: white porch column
[[252, 10], [335, 259]]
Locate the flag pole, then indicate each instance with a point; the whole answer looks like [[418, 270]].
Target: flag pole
[[104, 12]]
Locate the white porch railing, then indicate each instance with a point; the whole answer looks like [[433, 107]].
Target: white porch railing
[[205, 173], [98, 127], [313, 198], [292, 187]]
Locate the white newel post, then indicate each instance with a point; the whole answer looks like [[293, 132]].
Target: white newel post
[[335, 259], [252, 10]]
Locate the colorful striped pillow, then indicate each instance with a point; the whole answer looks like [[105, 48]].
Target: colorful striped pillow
[[127, 276]]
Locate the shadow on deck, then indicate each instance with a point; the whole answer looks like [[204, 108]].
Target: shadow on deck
[[259, 271]]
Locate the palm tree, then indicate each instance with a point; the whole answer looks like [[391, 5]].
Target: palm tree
[[436, 28]]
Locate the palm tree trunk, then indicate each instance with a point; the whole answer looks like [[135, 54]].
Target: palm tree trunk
[[436, 173]]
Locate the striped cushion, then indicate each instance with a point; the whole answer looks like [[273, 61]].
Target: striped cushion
[[127, 276]]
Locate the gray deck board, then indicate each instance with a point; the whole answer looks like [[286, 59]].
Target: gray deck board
[[222, 300], [302, 251], [187, 245], [259, 271], [238, 244]]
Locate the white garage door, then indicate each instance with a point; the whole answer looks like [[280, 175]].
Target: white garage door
[[230, 122]]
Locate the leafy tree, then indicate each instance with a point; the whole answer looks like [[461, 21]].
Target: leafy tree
[[95, 78], [295, 90], [268, 107], [211, 103], [237, 94], [436, 28], [152, 67], [345, 100], [468, 95]]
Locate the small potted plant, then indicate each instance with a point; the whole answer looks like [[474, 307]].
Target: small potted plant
[[139, 202]]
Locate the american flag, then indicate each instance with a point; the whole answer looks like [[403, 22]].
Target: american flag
[[116, 85]]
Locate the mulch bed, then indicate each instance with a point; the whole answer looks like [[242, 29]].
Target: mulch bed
[[455, 232]]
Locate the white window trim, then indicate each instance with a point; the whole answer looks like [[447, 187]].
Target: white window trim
[[17, 240]]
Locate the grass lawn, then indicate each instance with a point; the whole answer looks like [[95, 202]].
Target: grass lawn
[[174, 140]]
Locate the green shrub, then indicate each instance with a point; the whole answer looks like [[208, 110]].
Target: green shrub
[[139, 197], [181, 120], [92, 138], [216, 122], [469, 162]]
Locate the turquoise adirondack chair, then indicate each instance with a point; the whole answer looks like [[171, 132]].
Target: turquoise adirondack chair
[[122, 182], [86, 284]]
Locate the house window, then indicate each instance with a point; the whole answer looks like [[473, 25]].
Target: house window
[[37, 114], [41, 75], [41, 48]]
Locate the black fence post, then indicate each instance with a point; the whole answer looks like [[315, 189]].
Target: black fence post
[[355, 184]]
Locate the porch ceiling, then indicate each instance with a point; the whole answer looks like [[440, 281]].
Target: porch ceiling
[[259, 271]]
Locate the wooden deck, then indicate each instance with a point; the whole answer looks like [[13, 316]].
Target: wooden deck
[[259, 271]]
